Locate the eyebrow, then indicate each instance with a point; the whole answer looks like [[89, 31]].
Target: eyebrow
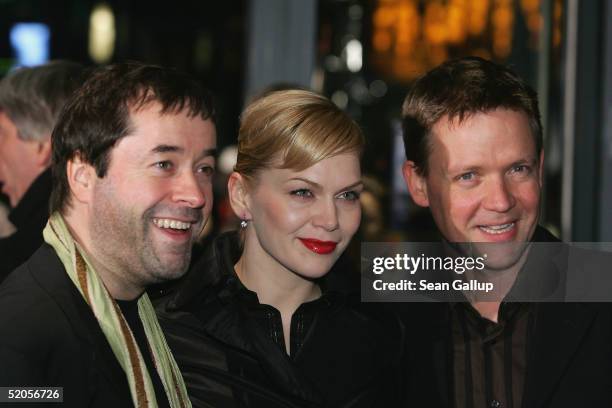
[[317, 185], [177, 149], [464, 169], [166, 149], [209, 152], [356, 184], [530, 160]]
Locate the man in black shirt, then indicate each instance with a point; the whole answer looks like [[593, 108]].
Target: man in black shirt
[[473, 141], [133, 160], [30, 102]]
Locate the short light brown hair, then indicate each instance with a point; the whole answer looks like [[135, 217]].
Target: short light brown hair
[[32, 97], [293, 129], [457, 90]]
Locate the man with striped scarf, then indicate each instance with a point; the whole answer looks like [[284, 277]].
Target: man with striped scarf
[[133, 159]]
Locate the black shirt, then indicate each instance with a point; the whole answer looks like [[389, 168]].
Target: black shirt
[[129, 308], [489, 358]]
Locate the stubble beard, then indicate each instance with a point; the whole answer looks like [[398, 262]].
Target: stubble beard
[[125, 241], [158, 269]]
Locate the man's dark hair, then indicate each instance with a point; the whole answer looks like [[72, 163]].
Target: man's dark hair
[[98, 115], [457, 90]]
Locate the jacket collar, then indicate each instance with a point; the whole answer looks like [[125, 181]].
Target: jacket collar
[[544, 273], [214, 295], [212, 278], [47, 269], [210, 274], [559, 330], [34, 200]]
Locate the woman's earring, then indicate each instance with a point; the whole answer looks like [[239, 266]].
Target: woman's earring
[[243, 224]]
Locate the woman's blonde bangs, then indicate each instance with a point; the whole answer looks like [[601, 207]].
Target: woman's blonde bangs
[[294, 129]]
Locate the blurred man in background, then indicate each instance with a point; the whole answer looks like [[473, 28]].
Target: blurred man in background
[[30, 102]]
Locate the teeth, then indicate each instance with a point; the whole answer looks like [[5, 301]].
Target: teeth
[[497, 229], [174, 224]]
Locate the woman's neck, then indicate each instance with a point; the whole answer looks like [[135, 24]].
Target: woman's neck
[[274, 284]]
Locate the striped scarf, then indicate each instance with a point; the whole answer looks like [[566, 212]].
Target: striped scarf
[[115, 327]]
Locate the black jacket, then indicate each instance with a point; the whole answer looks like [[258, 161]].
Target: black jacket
[[50, 337], [29, 218], [344, 354], [569, 360]]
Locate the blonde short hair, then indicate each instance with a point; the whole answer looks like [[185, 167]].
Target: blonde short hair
[[293, 129]]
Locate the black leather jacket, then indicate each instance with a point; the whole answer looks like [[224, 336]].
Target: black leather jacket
[[231, 352]]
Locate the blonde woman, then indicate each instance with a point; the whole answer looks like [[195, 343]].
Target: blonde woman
[[258, 322]]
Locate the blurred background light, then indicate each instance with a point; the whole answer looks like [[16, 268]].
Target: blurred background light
[[340, 98], [378, 88], [355, 12], [30, 43], [227, 159], [353, 55], [101, 33]]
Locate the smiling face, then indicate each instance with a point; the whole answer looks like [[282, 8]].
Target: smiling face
[[301, 221], [20, 161], [149, 208], [484, 178]]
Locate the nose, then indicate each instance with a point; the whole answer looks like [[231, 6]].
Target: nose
[[189, 191], [326, 216], [498, 196]]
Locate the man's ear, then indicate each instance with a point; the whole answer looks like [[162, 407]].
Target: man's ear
[[416, 183], [43, 152], [81, 179], [239, 196]]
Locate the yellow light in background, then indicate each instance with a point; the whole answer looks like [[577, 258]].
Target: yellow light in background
[[477, 16], [438, 54], [530, 6], [411, 36], [531, 10], [456, 20], [407, 28], [503, 22], [384, 17], [435, 23], [381, 41], [101, 33]]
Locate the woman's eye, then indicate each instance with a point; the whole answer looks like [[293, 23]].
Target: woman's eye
[[302, 193], [350, 195]]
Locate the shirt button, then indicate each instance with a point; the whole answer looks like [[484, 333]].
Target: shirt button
[[495, 404]]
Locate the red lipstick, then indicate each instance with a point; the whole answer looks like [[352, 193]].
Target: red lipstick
[[319, 247]]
